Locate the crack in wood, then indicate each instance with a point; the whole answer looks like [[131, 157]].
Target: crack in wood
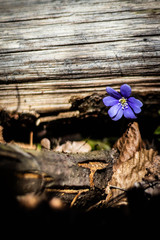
[[93, 166]]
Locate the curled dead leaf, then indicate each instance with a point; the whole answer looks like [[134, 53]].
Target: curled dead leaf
[[153, 171], [130, 172], [129, 143]]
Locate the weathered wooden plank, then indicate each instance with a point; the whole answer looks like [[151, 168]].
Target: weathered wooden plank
[[50, 96], [54, 52]]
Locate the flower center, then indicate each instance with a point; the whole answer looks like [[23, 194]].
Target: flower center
[[123, 102]]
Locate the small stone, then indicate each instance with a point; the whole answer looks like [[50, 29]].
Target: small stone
[[45, 143]]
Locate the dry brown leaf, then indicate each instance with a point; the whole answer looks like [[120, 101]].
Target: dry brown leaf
[[74, 147], [130, 172], [132, 165], [129, 143], [154, 170]]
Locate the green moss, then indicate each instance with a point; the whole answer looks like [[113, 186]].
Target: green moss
[[104, 144], [157, 131]]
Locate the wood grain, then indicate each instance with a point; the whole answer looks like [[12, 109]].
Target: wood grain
[[52, 52]]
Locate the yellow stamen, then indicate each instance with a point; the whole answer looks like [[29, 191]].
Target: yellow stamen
[[123, 102]]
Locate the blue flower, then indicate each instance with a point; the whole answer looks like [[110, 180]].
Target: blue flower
[[121, 103]]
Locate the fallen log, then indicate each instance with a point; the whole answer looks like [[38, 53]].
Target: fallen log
[[57, 173]]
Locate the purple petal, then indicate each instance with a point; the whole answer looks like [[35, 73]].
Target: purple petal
[[109, 101], [114, 110], [128, 113], [119, 115], [113, 93], [135, 108], [135, 101], [125, 90]]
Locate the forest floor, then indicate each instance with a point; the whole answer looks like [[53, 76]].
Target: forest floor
[[80, 135]]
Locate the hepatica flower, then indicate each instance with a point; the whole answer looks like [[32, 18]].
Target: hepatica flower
[[121, 103]]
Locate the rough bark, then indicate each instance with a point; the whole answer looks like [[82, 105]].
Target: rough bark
[[56, 173]]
